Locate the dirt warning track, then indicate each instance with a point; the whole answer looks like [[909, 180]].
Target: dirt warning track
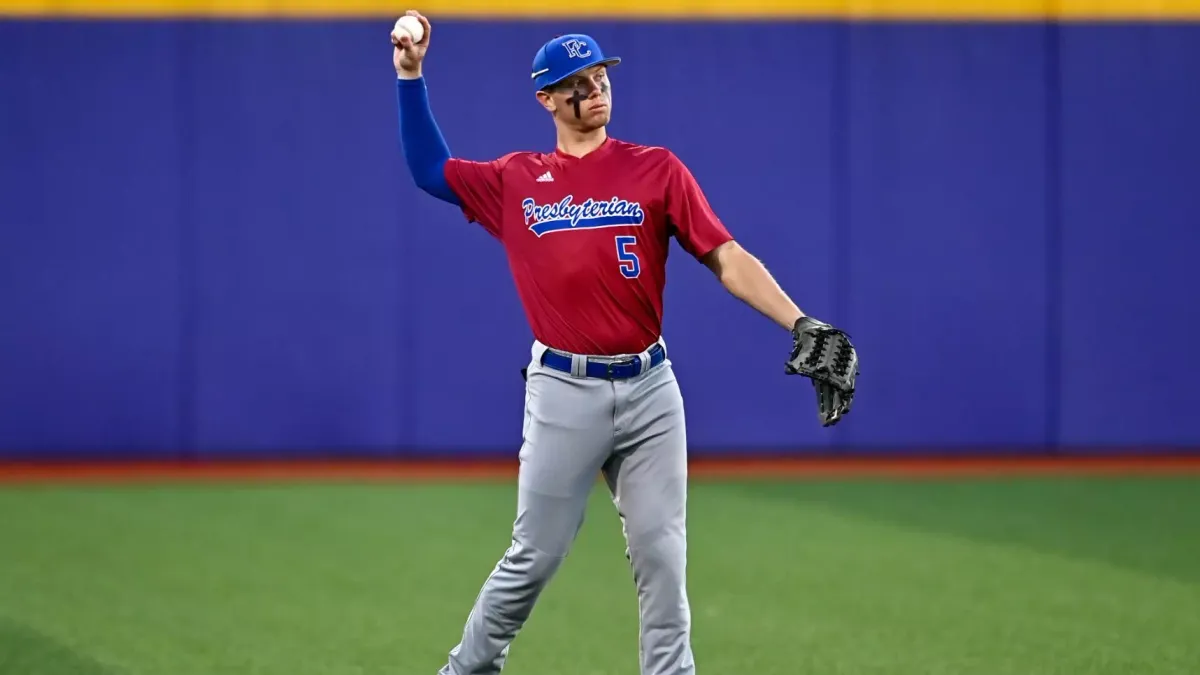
[[491, 470]]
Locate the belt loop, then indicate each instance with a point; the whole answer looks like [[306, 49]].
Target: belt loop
[[644, 360], [578, 365]]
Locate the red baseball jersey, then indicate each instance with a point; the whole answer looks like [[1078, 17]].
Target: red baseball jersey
[[587, 237]]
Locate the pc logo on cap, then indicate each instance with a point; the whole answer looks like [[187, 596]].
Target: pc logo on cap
[[566, 55]]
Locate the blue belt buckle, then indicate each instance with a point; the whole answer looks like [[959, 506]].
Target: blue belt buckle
[[634, 362]]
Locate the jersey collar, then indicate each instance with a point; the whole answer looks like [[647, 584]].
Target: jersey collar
[[603, 149]]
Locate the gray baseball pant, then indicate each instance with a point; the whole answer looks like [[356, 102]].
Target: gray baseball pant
[[575, 427]]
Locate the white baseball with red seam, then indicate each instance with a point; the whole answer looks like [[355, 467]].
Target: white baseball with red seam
[[410, 25]]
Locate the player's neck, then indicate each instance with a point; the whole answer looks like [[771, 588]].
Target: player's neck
[[580, 143]]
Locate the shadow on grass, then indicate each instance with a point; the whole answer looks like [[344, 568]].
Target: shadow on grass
[[24, 651], [1146, 525]]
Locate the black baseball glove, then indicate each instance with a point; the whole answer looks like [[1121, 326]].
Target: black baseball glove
[[825, 355]]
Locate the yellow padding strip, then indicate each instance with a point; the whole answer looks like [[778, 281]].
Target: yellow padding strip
[[979, 10]]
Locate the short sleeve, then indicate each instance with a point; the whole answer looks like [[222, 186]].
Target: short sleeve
[[479, 189], [697, 227]]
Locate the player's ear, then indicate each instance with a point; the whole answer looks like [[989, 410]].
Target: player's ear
[[546, 100]]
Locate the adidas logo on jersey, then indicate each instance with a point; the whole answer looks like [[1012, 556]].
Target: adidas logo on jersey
[[545, 178]]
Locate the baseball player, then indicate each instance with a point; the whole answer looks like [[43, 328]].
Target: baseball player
[[586, 228]]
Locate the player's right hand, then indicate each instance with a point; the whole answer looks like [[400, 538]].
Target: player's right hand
[[406, 55]]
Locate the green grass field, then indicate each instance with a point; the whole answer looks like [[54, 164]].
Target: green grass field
[[969, 577]]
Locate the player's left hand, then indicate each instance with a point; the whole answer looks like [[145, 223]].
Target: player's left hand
[[825, 355]]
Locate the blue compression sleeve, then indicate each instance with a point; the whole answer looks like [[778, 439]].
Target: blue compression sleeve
[[425, 150]]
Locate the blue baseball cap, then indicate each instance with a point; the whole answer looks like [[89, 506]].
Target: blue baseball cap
[[566, 55]]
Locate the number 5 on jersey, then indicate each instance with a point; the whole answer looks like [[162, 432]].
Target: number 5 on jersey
[[631, 267]]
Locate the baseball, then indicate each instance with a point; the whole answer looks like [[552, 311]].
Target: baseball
[[412, 26]]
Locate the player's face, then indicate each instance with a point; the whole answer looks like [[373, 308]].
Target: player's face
[[582, 101]]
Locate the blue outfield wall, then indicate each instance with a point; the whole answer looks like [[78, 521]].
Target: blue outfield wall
[[209, 245]]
